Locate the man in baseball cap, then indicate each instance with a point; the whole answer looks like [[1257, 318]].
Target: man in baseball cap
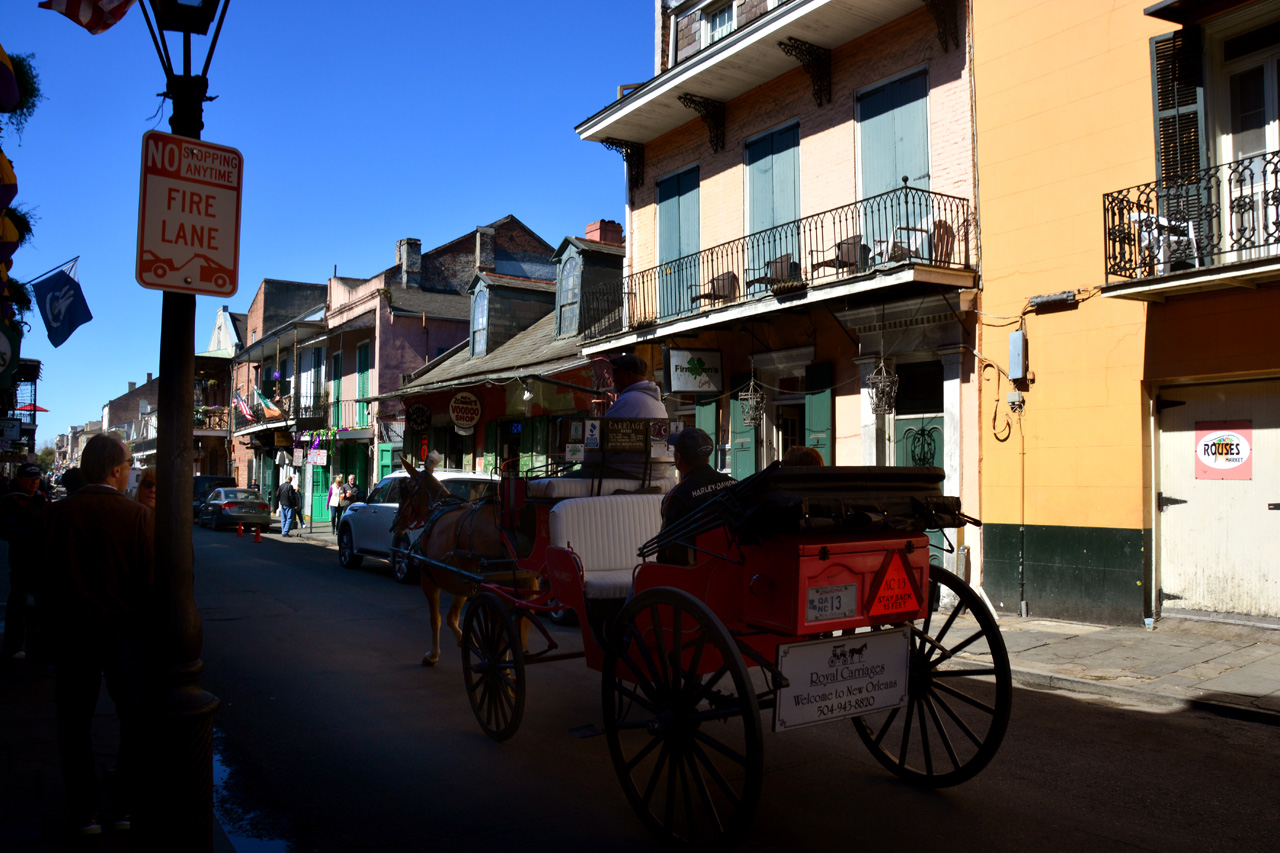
[[699, 483]]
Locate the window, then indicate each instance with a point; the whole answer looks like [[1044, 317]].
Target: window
[[479, 320], [718, 22], [567, 298]]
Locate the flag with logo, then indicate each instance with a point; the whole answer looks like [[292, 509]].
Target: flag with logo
[[268, 408], [243, 406], [61, 302], [96, 16]]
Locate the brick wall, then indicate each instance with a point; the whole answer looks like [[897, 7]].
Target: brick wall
[[828, 153], [513, 311], [124, 409], [688, 36]]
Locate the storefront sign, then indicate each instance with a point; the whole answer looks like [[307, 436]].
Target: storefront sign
[[298, 456], [693, 371], [464, 409], [9, 429], [418, 416], [1224, 450], [318, 457], [283, 439]]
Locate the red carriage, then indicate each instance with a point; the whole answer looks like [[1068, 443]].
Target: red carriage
[[803, 592]]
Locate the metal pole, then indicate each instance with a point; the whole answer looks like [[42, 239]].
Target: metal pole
[[175, 811]]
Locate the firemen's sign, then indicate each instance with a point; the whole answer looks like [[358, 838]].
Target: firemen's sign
[[189, 215]]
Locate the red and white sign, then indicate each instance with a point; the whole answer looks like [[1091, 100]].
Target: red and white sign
[[1224, 450], [189, 215], [464, 409]]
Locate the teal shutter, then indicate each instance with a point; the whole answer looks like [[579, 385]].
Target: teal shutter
[[320, 481], [491, 447], [704, 418], [678, 236], [384, 460], [773, 184], [335, 405], [819, 415], [893, 121], [362, 384], [742, 438]]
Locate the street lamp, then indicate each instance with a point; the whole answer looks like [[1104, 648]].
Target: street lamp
[[175, 809]]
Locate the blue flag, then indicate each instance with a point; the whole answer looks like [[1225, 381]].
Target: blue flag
[[61, 304]]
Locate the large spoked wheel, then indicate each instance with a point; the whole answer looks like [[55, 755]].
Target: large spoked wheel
[[682, 720], [956, 713], [493, 665]]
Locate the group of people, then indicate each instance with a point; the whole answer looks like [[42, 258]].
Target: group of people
[[341, 496], [89, 561]]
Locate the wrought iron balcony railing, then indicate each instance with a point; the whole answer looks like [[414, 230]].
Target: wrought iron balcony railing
[[902, 226], [1221, 215], [348, 414], [291, 409], [211, 418]]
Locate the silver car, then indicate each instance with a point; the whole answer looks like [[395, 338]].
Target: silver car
[[229, 506], [365, 528]]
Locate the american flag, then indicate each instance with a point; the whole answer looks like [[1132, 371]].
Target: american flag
[[96, 16], [243, 407]]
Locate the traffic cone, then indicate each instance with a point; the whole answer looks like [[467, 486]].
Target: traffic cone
[[257, 533], [239, 528]]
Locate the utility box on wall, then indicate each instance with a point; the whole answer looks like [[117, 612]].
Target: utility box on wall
[[1017, 355]]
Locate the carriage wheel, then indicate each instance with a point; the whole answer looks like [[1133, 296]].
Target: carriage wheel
[[493, 665], [954, 718], [686, 745]]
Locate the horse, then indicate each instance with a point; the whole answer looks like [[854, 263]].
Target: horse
[[457, 533]]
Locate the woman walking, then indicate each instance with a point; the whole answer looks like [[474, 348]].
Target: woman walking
[[335, 498]]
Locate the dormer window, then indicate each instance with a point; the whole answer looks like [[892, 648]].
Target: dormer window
[[718, 22], [567, 297], [479, 320]]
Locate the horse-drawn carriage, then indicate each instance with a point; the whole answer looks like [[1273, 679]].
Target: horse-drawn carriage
[[806, 593]]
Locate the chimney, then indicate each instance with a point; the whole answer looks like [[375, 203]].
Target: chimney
[[484, 248], [148, 378], [409, 259], [133, 386], [605, 231]]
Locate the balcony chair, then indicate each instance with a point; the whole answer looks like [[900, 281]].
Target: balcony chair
[[924, 242], [1170, 243], [849, 254], [721, 288], [780, 270]]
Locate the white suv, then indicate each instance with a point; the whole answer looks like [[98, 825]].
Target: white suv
[[365, 528]]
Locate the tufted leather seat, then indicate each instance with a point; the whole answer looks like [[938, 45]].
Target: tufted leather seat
[[605, 533]]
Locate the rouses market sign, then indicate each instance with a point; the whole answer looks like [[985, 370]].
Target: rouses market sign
[[464, 409], [1224, 450]]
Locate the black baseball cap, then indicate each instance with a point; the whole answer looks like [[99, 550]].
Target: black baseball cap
[[693, 444], [29, 470], [630, 363]]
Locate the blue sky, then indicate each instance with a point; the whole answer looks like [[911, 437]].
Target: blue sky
[[360, 124]]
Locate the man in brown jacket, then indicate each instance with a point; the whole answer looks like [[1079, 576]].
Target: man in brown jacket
[[102, 564]]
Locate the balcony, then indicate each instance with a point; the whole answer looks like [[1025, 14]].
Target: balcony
[[293, 412], [1215, 228], [348, 414], [206, 420], [890, 233]]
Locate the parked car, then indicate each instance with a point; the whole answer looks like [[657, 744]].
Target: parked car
[[202, 485], [230, 506], [365, 528]]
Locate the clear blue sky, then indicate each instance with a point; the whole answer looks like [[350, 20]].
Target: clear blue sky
[[360, 124]]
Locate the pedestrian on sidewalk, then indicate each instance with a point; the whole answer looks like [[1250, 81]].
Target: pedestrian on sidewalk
[[351, 492], [105, 619], [288, 498], [335, 501], [146, 494], [21, 517]]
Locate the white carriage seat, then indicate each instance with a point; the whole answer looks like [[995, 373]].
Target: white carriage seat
[[570, 487], [605, 533]]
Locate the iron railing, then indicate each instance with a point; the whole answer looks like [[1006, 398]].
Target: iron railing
[[217, 419], [291, 409], [1212, 217], [902, 226], [348, 414]]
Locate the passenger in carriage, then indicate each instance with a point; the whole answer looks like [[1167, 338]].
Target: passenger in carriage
[[699, 483], [638, 397], [803, 456]]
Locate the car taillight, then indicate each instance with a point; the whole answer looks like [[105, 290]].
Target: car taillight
[[230, 505], [263, 506]]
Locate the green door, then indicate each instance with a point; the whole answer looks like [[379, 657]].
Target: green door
[[818, 409], [267, 479], [335, 413], [384, 459], [917, 441], [742, 438], [319, 493], [362, 384]]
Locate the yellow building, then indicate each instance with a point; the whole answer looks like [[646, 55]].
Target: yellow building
[[1128, 165]]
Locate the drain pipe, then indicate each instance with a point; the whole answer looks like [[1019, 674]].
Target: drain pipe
[[1022, 518]]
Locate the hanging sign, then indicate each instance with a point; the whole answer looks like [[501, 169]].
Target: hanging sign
[[464, 409], [1224, 450], [418, 416], [318, 457], [692, 371], [298, 455], [189, 215]]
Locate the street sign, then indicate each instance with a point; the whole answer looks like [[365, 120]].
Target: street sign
[[189, 215], [10, 429]]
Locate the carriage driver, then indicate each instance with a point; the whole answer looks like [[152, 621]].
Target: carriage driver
[[699, 482]]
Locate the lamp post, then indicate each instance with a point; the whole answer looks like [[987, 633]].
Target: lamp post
[[175, 807]]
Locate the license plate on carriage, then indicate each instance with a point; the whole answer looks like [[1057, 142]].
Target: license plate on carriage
[[841, 677], [825, 603]]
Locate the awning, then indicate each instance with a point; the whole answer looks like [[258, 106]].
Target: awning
[[1190, 11]]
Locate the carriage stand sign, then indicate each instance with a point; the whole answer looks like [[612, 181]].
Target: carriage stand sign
[[189, 215], [846, 676]]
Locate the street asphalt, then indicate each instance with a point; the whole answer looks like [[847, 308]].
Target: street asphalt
[[1225, 668]]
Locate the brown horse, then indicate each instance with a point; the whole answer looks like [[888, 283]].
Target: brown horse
[[462, 535]]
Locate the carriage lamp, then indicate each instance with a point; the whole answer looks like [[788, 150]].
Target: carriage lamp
[[185, 16], [883, 387]]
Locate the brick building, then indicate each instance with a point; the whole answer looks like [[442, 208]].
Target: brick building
[[800, 187]]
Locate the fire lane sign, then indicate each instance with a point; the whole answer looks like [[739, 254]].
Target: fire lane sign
[[189, 215]]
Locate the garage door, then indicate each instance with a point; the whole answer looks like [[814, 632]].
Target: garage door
[[1219, 497]]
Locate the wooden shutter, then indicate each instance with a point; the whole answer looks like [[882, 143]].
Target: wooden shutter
[[742, 438], [704, 418], [818, 409], [1178, 94], [893, 122]]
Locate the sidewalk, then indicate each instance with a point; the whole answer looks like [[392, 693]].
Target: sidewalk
[[1181, 663]]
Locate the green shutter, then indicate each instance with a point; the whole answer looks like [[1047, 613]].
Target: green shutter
[[742, 438], [361, 453], [704, 418], [384, 460], [819, 415], [362, 384], [678, 235], [335, 405], [491, 447], [319, 494]]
